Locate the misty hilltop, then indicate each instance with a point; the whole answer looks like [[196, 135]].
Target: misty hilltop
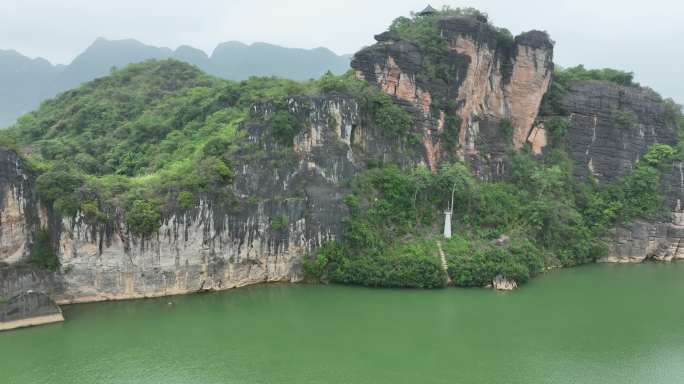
[[28, 82]]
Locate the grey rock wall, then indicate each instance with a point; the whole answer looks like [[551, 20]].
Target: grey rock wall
[[605, 150], [27, 305], [18, 208], [285, 203], [601, 146]]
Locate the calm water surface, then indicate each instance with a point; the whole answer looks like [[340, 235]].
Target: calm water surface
[[608, 324]]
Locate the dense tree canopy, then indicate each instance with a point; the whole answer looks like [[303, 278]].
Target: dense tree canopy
[[551, 219]]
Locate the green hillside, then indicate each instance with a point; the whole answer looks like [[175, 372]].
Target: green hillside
[[154, 137]]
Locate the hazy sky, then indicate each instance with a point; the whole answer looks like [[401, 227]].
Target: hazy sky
[[641, 36]]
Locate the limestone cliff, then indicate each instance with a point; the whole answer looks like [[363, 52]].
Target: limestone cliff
[[288, 204], [605, 149], [489, 83], [597, 142], [29, 309], [18, 208]]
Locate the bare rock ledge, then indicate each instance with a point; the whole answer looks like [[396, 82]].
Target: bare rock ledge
[[27, 310]]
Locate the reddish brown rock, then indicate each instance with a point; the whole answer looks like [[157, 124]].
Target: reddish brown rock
[[488, 83]]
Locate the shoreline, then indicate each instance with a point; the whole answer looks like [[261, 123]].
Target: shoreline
[[31, 322], [56, 318], [115, 298]]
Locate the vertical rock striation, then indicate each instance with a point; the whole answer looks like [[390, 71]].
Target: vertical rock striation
[[489, 82], [29, 309], [598, 143], [605, 148], [286, 204], [18, 209]]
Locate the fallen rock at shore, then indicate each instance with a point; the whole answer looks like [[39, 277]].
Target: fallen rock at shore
[[29, 309], [501, 283]]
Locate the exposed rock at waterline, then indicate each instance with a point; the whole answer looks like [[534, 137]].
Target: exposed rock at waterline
[[501, 283], [605, 150], [29, 309], [213, 246]]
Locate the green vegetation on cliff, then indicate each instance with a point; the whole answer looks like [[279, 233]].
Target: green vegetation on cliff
[[42, 254], [563, 78], [579, 73], [134, 140], [540, 217], [154, 138], [438, 64], [674, 115]]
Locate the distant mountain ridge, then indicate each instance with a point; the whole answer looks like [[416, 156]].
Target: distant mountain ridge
[[25, 82]]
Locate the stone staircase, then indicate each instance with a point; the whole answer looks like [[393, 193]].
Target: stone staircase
[[445, 266]]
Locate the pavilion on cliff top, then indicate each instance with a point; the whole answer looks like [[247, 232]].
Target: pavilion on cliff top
[[428, 11]]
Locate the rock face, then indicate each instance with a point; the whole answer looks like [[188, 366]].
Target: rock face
[[288, 203], [661, 240], [644, 240], [490, 83], [21, 216], [18, 209], [600, 145], [29, 309], [501, 283], [605, 149]]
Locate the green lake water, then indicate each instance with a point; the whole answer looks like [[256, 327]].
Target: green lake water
[[595, 324]]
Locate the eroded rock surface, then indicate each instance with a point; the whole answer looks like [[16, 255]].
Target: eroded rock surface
[[661, 240], [489, 83], [286, 204], [605, 150], [601, 146], [18, 209], [501, 283], [29, 309]]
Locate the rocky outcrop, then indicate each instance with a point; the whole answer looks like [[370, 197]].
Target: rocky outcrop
[[643, 240], [288, 203], [288, 200], [661, 240], [488, 82], [29, 309], [501, 283], [22, 277], [285, 204], [605, 147], [602, 146], [18, 209]]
